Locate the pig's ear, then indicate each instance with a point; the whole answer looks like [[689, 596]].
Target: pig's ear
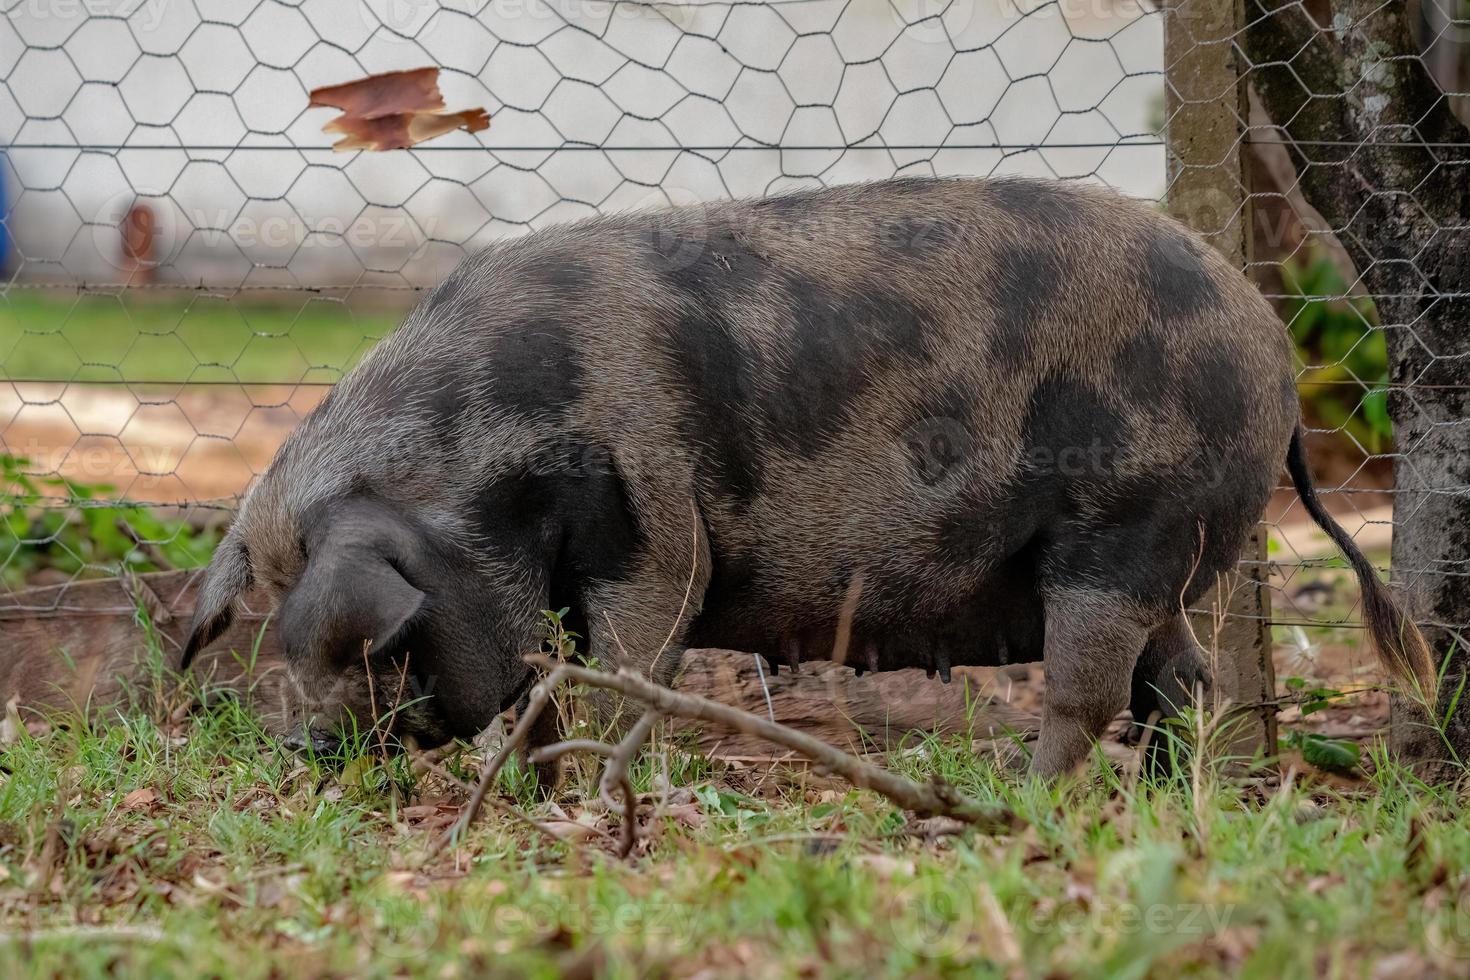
[[225, 581], [350, 595]]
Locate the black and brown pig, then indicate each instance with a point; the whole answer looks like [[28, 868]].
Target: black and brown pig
[[931, 422]]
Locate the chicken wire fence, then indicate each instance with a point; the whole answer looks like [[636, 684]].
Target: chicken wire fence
[[190, 266]]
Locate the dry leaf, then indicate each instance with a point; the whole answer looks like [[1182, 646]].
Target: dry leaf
[[933, 827], [41, 873], [1078, 891], [1238, 943], [1002, 935], [430, 817], [1321, 883], [269, 893], [887, 865], [1405, 965], [145, 598], [402, 131], [688, 814], [393, 111], [441, 821], [387, 94], [1416, 849], [139, 799], [568, 830], [11, 726]]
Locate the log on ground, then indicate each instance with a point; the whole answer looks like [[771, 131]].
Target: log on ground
[[85, 645]]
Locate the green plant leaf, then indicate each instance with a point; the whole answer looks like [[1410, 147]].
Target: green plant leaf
[[1328, 754]]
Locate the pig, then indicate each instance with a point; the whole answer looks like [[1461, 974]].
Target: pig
[[910, 423]]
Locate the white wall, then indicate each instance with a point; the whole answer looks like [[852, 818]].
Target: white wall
[[199, 107]]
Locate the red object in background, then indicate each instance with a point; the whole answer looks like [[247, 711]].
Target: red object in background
[[139, 235]]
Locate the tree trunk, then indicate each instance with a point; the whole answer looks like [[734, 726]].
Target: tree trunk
[[1379, 153], [1205, 104]]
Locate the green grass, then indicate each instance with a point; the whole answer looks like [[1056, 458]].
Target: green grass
[[138, 337], [154, 843]]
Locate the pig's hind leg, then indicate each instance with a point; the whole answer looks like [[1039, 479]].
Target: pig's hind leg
[[1093, 640], [1169, 677]]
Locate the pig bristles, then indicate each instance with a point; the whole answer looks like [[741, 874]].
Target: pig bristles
[[935, 798]]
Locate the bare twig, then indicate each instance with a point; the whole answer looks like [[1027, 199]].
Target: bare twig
[[615, 776], [150, 549], [550, 753], [367, 667], [509, 810], [760, 672], [536, 702], [143, 596], [615, 773], [843, 636], [936, 798], [428, 760], [688, 587]]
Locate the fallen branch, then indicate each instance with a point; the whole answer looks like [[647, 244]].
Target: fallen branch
[[433, 765], [936, 798]]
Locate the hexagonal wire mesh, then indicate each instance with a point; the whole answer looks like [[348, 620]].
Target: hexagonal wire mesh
[[162, 382]]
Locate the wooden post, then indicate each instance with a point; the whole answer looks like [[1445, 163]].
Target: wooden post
[[1207, 110]]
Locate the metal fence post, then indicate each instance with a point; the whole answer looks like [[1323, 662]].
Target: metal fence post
[[1206, 107]]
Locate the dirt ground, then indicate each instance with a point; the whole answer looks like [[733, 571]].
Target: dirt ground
[[154, 444]]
